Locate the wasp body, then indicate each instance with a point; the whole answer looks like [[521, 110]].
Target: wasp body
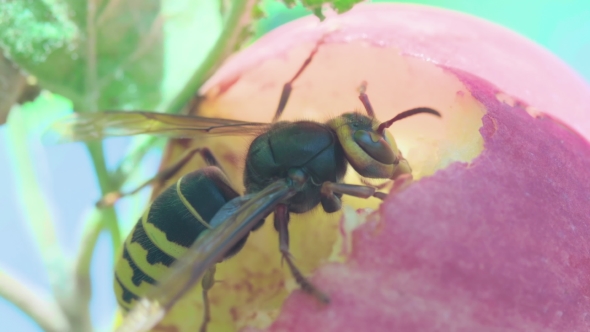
[[290, 167], [309, 147], [167, 229]]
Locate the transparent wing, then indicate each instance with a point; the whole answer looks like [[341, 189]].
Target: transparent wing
[[99, 125], [205, 252]]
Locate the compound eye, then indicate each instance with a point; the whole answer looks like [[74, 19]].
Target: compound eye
[[375, 146]]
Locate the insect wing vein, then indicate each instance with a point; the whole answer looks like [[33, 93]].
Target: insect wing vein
[[96, 126]]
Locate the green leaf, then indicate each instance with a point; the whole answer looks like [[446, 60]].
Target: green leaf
[[340, 6], [99, 54], [248, 30]]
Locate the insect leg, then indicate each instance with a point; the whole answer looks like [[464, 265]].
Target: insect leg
[[288, 87], [207, 283], [331, 202], [365, 99], [281, 221], [376, 186], [112, 197]]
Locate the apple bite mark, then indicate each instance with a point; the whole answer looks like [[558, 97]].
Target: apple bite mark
[[480, 242], [501, 244], [254, 283]]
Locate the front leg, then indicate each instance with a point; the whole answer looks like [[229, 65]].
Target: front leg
[[281, 221], [288, 87], [331, 201]]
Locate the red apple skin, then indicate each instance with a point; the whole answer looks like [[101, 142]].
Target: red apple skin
[[501, 244], [514, 64]]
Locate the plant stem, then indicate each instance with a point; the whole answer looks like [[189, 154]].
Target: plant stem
[[79, 302], [109, 217], [46, 314], [76, 302], [238, 18], [92, 96], [89, 238], [34, 202]]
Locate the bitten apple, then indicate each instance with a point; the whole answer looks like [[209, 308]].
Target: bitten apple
[[493, 234]]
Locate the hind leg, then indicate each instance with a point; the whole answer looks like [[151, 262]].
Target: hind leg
[[111, 198], [207, 282]]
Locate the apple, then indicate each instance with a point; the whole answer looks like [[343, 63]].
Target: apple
[[493, 233]]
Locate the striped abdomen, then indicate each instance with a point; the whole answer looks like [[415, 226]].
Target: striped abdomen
[[167, 229]]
